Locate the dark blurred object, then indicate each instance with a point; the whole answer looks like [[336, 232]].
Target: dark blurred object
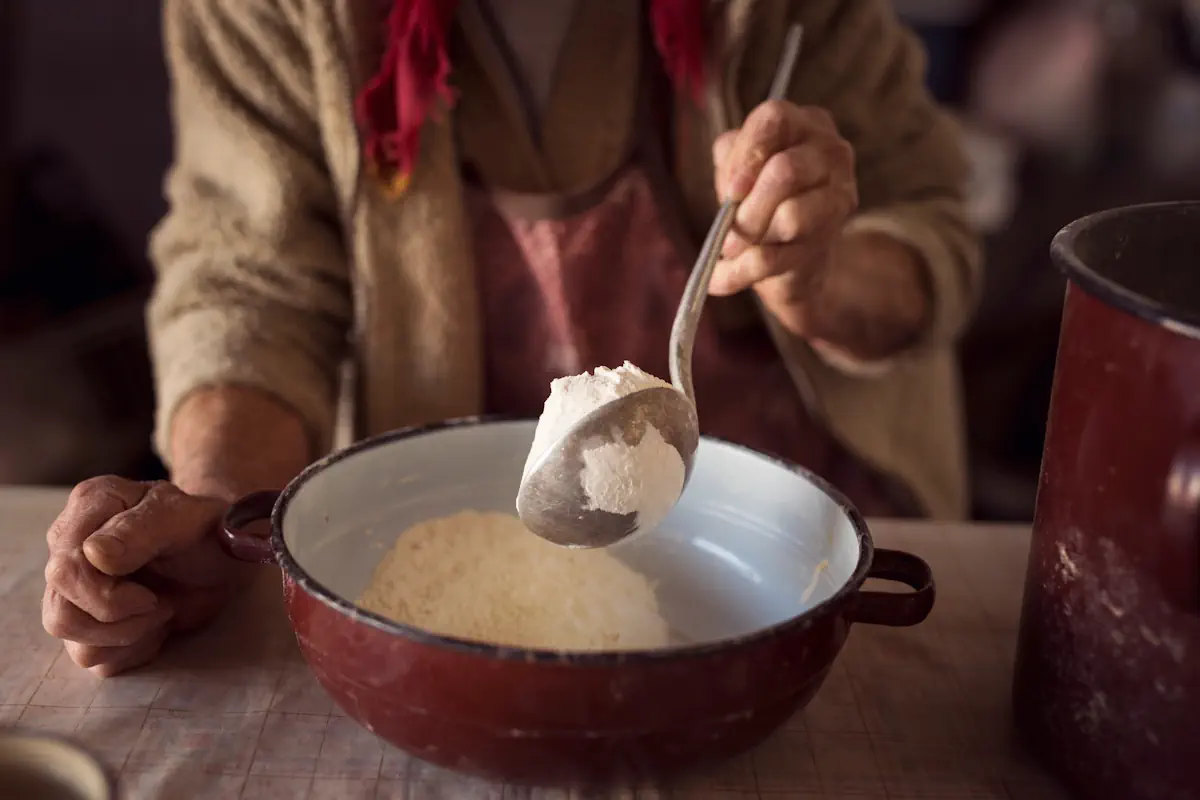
[[76, 396], [1187, 34], [1173, 140], [93, 85], [64, 255], [1154, 109], [1139, 97], [1008, 355], [1038, 77], [8, 81], [946, 29], [946, 47]]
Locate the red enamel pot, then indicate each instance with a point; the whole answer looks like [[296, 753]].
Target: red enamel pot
[[1107, 688], [759, 572]]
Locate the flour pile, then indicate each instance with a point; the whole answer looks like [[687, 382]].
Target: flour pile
[[646, 478], [483, 576]]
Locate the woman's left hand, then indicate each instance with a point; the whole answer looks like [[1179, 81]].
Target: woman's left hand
[[863, 294]]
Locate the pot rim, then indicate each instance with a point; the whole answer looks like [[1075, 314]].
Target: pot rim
[[1064, 255], [592, 658]]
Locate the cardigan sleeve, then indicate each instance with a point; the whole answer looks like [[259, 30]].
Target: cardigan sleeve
[[251, 272]]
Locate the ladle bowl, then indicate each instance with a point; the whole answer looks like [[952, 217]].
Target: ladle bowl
[[552, 501]]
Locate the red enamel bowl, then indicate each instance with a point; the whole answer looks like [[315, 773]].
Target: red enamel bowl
[[759, 572]]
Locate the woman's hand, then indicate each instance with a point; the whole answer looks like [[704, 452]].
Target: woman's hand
[[130, 563], [863, 294]]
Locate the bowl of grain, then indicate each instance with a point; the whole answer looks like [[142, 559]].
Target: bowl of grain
[[436, 621]]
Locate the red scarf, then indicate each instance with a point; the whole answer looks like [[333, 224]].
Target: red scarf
[[414, 76]]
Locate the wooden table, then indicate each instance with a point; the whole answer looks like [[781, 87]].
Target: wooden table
[[906, 714]]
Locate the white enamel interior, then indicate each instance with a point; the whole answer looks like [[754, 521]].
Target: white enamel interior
[[750, 545]]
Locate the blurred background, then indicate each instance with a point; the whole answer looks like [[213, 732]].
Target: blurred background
[[1069, 107]]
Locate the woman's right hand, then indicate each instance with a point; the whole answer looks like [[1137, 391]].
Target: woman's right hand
[[131, 562]]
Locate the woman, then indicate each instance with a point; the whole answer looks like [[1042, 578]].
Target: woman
[[517, 193]]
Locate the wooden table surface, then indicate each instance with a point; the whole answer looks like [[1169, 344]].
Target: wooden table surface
[[906, 714]]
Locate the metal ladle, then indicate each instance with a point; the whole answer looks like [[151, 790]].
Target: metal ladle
[[551, 501]]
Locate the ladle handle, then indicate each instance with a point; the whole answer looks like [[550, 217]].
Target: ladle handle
[[687, 318]]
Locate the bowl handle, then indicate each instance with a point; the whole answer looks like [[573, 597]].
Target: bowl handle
[[245, 532], [896, 610]]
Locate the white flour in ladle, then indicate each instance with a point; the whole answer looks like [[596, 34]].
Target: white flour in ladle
[[646, 478]]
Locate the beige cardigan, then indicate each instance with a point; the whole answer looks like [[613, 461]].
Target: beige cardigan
[[279, 259]]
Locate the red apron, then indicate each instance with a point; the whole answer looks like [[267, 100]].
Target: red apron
[[572, 282]]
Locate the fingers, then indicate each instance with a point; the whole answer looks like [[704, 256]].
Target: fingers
[[794, 175], [91, 504], [722, 148], [101, 597], [781, 206], [756, 264], [770, 128], [112, 528], [166, 521], [63, 619], [765, 132], [105, 662]]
